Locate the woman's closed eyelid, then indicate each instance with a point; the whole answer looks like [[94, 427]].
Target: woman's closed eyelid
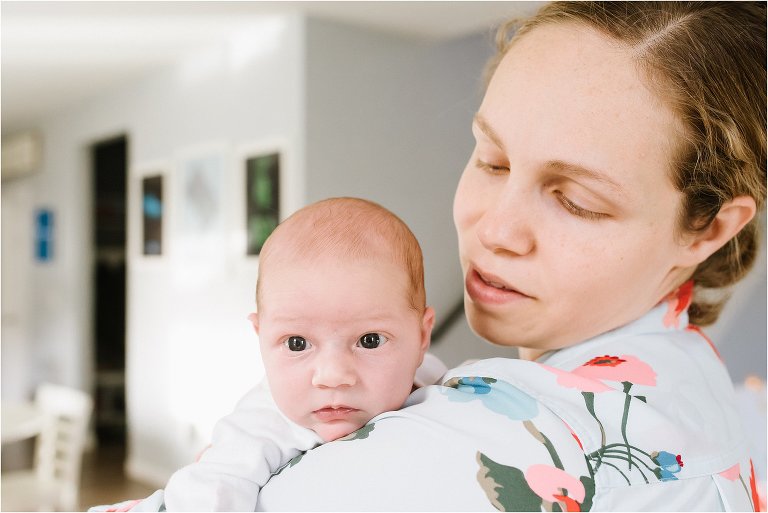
[[577, 210], [491, 168], [572, 207]]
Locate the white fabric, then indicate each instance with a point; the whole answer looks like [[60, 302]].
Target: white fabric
[[430, 371], [248, 445]]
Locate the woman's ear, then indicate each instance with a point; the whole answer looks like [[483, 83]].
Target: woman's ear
[[254, 318], [731, 218]]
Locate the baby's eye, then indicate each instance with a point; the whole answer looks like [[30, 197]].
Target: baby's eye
[[296, 343], [372, 340]]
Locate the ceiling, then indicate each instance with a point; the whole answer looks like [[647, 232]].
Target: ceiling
[[57, 54]]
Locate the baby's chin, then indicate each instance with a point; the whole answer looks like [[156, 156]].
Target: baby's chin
[[330, 431]]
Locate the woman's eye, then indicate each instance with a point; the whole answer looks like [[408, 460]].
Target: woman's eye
[[491, 168], [371, 340], [296, 343], [576, 210]]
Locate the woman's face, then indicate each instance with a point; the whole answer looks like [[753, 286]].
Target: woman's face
[[565, 213]]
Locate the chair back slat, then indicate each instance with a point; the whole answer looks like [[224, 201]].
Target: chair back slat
[[60, 445]]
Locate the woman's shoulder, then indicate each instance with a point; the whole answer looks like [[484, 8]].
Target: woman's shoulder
[[645, 405]]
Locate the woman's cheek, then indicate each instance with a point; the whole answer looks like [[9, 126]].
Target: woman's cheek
[[464, 203]]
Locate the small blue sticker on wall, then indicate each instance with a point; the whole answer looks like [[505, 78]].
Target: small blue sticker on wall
[[43, 235]]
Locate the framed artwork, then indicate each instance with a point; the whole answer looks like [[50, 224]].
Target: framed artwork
[[44, 234], [262, 202], [152, 214], [199, 219]]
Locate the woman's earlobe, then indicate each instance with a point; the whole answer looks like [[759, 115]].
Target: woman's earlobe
[[728, 222]]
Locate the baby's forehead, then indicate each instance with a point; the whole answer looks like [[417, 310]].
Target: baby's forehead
[[296, 255], [305, 238]]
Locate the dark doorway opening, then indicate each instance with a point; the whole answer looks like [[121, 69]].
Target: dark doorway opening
[[109, 177]]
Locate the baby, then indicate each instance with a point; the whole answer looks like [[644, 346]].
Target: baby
[[343, 330]]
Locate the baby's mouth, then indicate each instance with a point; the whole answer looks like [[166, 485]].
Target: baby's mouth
[[331, 413]]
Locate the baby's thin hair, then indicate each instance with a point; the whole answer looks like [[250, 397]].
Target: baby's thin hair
[[350, 228]]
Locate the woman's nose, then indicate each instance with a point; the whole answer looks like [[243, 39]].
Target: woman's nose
[[334, 369], [506, 225]]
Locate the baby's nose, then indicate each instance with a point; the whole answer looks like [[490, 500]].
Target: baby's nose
[[334, 369]]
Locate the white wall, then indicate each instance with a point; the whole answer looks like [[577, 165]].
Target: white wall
[[191, 351]]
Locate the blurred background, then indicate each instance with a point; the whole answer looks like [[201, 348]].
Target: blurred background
[[148, 148]]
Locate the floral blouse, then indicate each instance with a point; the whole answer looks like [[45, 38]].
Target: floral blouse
[[639, 418]]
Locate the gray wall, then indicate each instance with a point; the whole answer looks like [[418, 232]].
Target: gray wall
[[389, 119]]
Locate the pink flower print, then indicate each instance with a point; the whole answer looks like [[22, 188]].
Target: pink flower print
[[731, 474], [571, 380], [123, 506], [555, 485], [573, 434], [757, 501], [624, 368], [678, 301]]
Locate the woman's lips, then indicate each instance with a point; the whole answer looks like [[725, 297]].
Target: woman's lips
[[331, 413], [487, 289]]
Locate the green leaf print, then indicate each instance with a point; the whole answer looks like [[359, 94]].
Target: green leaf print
[[505, 486], [589, 489], [360, 434], [291, 463]]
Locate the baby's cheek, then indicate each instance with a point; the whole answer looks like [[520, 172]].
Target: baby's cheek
[[289, 405], [398, 396]]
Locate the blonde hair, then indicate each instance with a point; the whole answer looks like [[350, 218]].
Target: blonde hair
[[707, 60], [350, 228]]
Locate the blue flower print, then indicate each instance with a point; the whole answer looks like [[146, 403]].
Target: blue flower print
[[498, 396], [668, 465], [474, 385]]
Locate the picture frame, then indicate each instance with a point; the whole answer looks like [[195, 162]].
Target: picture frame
[[201, 185], [289, 191], [152, 213], [262, 198], [148, 238]]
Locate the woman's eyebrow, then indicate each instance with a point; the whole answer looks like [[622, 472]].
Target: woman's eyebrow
[[569, 168], [488, 130], [577, 170]]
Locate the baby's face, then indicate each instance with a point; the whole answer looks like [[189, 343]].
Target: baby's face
[[339, 341]]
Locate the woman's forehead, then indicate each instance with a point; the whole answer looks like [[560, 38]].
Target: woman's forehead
[[568, 93]]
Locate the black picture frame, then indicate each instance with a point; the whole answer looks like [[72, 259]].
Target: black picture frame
[[152, 208], [262, 186]]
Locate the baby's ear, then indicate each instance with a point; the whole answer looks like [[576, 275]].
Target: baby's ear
[[427, 323], [254, 318]]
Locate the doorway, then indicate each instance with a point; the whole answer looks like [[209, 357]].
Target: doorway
[[109, 189]]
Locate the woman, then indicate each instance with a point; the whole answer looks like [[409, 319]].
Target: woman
[[611, 195]]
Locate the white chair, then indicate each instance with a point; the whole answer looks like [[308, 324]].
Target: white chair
[[53, 482]]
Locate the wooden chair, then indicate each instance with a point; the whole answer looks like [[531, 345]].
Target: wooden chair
[[53, 482]]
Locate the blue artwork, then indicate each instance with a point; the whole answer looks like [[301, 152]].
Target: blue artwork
[[152, 209], [43, 235]]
